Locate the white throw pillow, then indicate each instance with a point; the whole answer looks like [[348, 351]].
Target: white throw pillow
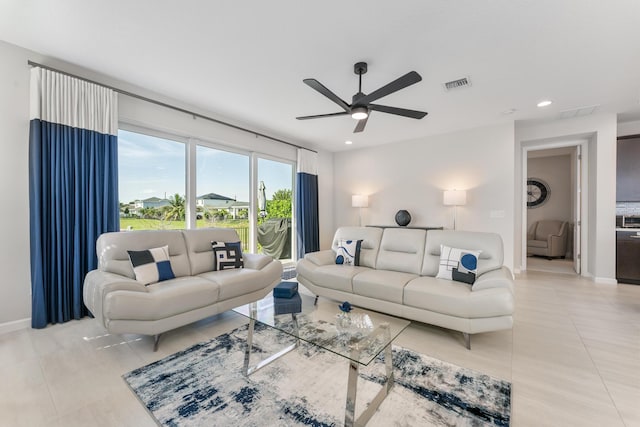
[[348, 252], [151, 265], [456, 264]]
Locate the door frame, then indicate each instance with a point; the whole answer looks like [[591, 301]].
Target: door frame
[[583, 143]]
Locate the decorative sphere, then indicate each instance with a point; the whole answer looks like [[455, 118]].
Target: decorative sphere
[[403, 218]]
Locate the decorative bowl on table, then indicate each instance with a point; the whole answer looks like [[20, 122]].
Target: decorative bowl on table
[[353, 323]]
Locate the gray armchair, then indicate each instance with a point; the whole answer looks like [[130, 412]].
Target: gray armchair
[[548, 238]]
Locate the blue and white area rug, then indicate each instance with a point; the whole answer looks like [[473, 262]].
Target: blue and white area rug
[[203, 386]]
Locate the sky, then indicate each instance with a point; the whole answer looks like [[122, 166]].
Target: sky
[[155, 167]]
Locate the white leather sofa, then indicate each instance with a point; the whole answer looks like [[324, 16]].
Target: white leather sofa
[[123, 305], [397, 276]]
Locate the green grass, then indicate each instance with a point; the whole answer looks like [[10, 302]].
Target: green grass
[[156, 224]]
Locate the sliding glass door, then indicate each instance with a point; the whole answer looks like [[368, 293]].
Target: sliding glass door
[[274, 215]]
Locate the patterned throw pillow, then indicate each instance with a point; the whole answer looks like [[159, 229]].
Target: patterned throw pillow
[[456, 264], [348, 252], [227, 255], [152, 265]]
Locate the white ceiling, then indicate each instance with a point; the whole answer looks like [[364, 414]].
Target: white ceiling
[[245, 60]]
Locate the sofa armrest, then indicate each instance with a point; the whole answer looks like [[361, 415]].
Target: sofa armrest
[[556, 245], [256, 261], [500, 278], [97, 284], [325, 257], [108, 282]]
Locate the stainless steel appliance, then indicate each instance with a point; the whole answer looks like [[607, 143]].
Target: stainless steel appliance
[[628, 249]]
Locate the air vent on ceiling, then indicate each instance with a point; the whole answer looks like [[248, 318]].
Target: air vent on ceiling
[[457, 84], [579, 112]]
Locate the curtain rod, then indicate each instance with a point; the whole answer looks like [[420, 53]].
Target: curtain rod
[[164, 104]]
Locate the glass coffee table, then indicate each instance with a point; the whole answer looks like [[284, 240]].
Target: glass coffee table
[[358, 337]]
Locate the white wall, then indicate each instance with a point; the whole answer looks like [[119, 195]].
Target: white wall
[[15, 303], [413, 175], [555, 171], [15, 300], [600, 130]]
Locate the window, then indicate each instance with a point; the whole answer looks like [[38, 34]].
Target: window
[[151, 182], [153, 177], [222, 188]]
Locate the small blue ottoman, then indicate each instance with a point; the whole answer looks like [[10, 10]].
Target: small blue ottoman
[[285, 290], [287, 305]]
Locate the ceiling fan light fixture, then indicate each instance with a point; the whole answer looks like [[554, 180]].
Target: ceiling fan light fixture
[[359, 113]]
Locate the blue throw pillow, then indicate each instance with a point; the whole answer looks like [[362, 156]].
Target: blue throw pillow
[[348, 252], [151, 265], [227, 256]]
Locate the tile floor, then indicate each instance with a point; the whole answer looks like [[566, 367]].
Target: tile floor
[[573, 358]]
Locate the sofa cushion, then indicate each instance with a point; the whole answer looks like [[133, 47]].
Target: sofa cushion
[[112, 250], [151, 265], [548, 227], [401, 249], [489, 245], [198, 246], [348, 252], [537, 243], [236, 282], [227, 255], [161, 300], [370, 237], [382, 284], [457, 299], [330, 276], [460, 265]]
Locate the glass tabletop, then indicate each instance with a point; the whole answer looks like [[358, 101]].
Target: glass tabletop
[[358, 336]]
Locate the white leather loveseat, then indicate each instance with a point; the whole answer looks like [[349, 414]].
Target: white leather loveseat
[[124, 305], [397, 276]]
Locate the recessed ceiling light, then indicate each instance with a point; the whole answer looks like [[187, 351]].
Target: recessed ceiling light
[[509, 111], [348, 142], [544, 103]]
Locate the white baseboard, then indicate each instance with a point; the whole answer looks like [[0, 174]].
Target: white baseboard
[[605, 280], [15, 325]]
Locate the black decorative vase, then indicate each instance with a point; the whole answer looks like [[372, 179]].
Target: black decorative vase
[[403, 218]]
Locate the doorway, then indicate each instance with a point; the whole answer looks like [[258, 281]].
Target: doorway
[[553, 176]]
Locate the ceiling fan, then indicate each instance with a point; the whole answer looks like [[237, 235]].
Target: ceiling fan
[[361, 104]]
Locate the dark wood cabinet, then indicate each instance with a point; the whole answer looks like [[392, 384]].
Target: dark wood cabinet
[[628, 257], [628, 169]]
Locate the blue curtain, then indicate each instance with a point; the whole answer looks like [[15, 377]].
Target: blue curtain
[[308, 224], [73, 196]]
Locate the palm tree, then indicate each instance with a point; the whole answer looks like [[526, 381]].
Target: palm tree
[[176, 211]]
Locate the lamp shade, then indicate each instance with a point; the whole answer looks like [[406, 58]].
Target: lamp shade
[[455, 198], [359, 201]]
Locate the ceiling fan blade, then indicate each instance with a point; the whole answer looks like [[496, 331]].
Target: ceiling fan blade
[[361, 124], [319, 116], [414, 114], [400, 83], [314, 84]]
